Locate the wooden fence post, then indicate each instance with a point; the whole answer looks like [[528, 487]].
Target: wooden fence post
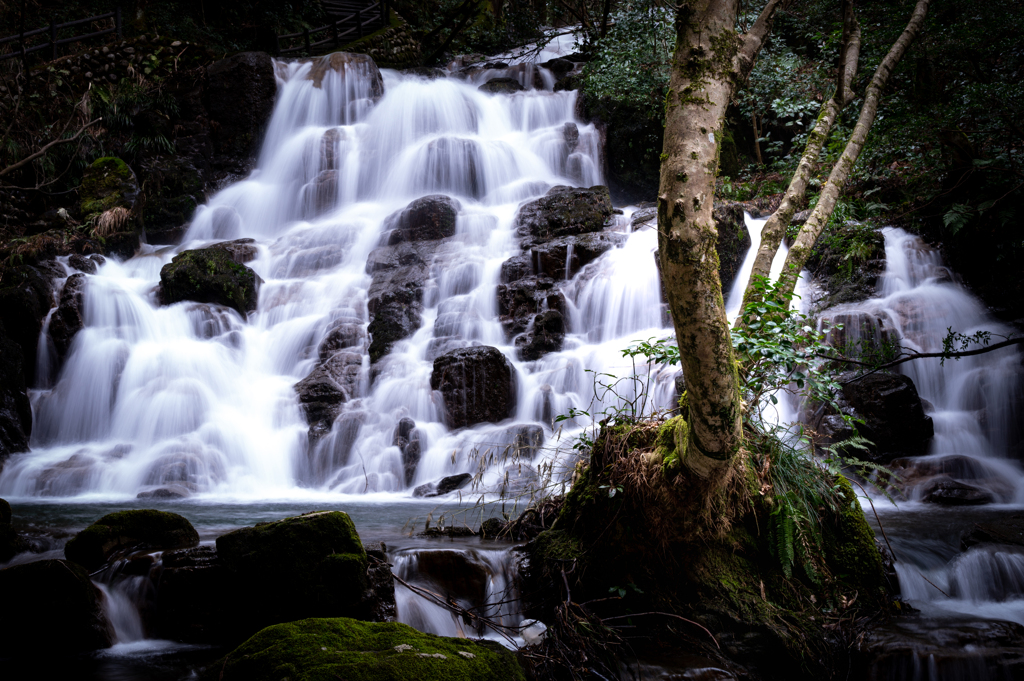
[[305, 34], [359, 24], [117, 23], [334, 32]]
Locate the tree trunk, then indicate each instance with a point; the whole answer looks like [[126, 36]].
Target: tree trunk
[[711, 59], [810, 232], [775, 228]]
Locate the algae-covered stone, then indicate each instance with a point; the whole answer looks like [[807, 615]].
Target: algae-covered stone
[[51, 608], [138, 530], [315, 649], [312, 565], [107, 183], [209, 275]]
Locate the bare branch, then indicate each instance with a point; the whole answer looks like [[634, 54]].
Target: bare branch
[[46, 148]]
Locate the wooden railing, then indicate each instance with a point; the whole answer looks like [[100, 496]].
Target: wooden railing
[[54, 43], [363, 20]]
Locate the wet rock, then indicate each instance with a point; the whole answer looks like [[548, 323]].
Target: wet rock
[[397, 315], [342, 335], [645, 216], [927, 472], [381, 592], [559, 66], [520, 301], [171, 492], [571, 134], [82, 263], [443, 486], [174, 189], [15, 409], [545, 335], [240, 251], [67, 321], [492, 528], [209, 275], [11, 543], [395, 299], [733, 242], [26, 296], [949, 492], [425, 219], [51, 608], [107, 183], [322, 193], [343, 63], [894, 418], [327, 387], [379, 651], [312, 565], [517, 267], [478, 385], [562, 258], [501, 86], [239, 94], [428, 72], [129, 530], [407, 439], [67, 477], [194, 597], [564, 211], [1008, 530]]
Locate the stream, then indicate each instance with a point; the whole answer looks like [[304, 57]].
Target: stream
[[193, 408]]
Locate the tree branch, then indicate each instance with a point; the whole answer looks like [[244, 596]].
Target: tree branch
[[922, 355], [43, 151]]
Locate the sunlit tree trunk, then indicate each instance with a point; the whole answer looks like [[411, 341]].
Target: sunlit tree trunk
[[711, 59]]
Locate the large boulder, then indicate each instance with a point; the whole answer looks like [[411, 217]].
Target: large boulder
[[239, 96], [520, 301], [50, 608], [67, 321], [141, 530], [11, 542], [311, 565], [545, 335], [564, 211], [501, 86], [563, 257], [341, 648], [426, 219], [893, 415], [174, 189], [209, 275], [194, 601], [15, 409], [478, 385]]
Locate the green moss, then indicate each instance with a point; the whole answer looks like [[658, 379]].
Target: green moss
[[147, 528], [209, 275], [851, 551], [331, 649], [107, 183]]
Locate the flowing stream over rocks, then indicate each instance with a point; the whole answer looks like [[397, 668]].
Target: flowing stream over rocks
[[381, 220]]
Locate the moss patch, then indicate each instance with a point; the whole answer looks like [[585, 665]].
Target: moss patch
[[331, 649], [107, 183], [142, 529], [209, 275]]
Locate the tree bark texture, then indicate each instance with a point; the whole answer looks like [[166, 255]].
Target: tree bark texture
[[710, 60], [809, 233], [775, 228]]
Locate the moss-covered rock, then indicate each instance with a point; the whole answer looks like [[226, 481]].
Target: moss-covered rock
[[15, 410], [173, 188], [312, 565], [137, 530], [209, 275], [327, 649], [564, 211], [108, 183], [51, 608]]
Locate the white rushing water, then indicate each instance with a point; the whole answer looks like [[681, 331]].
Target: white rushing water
[[194, 397], [975, 404]]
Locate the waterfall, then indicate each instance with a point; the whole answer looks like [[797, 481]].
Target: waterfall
[[193, 400]]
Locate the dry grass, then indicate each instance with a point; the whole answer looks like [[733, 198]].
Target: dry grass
[[112, 221]]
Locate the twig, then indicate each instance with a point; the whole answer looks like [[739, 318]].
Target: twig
[[42, 151], [666, 614]]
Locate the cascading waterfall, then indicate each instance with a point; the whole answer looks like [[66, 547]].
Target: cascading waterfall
[[194, 398]]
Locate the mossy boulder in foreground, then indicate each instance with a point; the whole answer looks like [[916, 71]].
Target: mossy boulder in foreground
[[136, 530], [209, 275], [312, 565], [322, 649]]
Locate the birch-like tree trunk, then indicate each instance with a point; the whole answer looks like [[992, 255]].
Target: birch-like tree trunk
[[810, 232], [775, 228], [710, 61]]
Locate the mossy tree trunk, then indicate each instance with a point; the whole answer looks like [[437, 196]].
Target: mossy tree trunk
[[710, 61], [809, 233], [775, 228]]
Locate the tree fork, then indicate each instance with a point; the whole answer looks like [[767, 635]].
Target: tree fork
[[810, 232]]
